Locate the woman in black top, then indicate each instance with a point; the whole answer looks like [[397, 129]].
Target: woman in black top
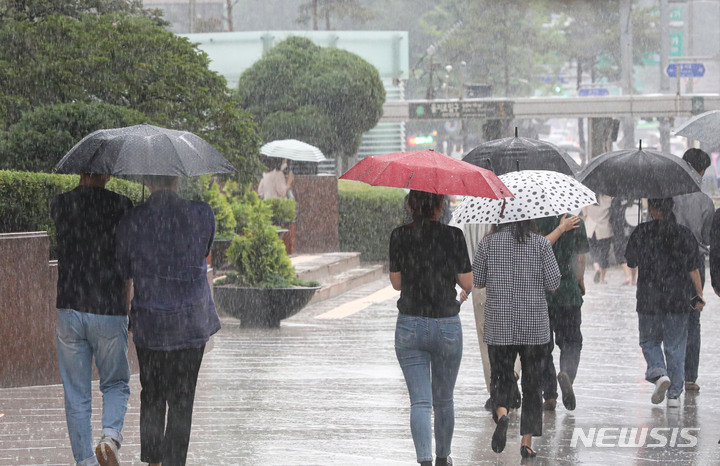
[[666, 255], [427, 260]]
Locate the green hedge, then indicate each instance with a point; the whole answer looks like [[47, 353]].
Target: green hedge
[[366, 216], [25, 199]]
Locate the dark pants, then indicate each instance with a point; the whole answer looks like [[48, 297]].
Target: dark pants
[[502, 379], [600, 251], [168, 378], [565, 325], [692, 351]]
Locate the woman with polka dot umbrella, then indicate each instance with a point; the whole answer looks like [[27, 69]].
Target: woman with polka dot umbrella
[[537, 194]]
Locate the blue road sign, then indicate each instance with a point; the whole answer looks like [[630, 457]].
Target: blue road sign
[[595, 92], [687, 70]]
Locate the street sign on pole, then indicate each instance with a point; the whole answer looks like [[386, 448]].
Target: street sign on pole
[[458, 109], [593, 92], [687, 70]]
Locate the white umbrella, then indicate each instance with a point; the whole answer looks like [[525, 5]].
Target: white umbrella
[[704, 128], [538, 193], [292, 149]]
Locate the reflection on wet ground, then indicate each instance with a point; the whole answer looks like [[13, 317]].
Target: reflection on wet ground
[[328, 391]]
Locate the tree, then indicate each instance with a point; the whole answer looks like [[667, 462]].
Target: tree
[[125, 61], [329, 8], [297, 73]]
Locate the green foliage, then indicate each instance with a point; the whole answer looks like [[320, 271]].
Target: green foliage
[[283, 210], [25, 199], [45, 134], [259, 256], [297, 73], [366, 216], [126, 61], [224, 218]]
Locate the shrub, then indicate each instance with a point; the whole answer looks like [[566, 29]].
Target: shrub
[[259, 255], [366, 216], [283, 210], [25, 199], [224, 218]]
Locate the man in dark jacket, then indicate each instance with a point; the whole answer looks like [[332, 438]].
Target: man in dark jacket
[[163, 245], [92, 315]]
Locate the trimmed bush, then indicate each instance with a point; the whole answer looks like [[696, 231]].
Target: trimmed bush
[[366, 216], [283, 210], [25, 199]]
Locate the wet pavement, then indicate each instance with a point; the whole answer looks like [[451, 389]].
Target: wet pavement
[[326, 389]]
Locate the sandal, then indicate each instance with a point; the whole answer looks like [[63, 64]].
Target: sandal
[[499, 437], [527, 452]]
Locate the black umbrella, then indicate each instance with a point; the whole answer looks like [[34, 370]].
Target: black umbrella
[[143, 150], [638, 173], [513, 154]]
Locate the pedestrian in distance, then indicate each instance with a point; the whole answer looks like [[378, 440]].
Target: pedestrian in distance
[[427, 260], [163, 246], [564, 311], [621, 234], [667, 258], [273, 183], [517, 266], [599, 233], [92, 315], [695, 211]]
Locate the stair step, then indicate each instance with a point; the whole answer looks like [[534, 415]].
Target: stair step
[[337, 284], [324, 266]]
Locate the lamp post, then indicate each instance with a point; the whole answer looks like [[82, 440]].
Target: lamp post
[[430, 94]]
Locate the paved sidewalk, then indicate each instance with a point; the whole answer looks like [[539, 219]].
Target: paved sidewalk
[[326, 389]]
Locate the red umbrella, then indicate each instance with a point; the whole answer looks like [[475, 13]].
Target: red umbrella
[[429, 171]]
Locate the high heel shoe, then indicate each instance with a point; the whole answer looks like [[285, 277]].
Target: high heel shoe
[[527, 452]]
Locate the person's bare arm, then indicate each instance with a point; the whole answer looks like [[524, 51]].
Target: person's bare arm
[[566, 224], [396, 280], [695, 277]]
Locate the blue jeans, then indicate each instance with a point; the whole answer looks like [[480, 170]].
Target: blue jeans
[[80, 336], [429, 352], [670, 331]]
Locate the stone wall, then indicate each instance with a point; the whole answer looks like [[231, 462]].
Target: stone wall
[[317, 213]]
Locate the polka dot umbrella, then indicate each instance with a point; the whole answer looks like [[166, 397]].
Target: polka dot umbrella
[[538, 193]]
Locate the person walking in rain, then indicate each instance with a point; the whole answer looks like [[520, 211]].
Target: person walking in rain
[[599, 232], [163, 245], [517, 267], [667, 258], [427, 260], [273, 183], [564, 311], [92, 318], [695, 211]]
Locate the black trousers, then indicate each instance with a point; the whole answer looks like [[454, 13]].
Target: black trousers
[[502, 380], [168, 380], [565, 325]]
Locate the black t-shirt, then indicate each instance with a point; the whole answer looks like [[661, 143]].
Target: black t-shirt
[[663, 258], [89, 279], [429, 255]]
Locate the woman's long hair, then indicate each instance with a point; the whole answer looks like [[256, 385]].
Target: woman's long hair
[[522, 230], [423, 205]]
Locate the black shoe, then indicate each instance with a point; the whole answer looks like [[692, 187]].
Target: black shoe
[[443, 461], [489, 405], [500, 435], [568, 395], [527, 452]]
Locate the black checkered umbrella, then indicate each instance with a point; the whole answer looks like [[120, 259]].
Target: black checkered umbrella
[[143, 150]]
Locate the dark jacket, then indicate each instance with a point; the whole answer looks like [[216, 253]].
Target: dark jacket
[[163, 245]]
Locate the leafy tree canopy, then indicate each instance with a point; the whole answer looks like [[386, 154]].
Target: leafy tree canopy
[[123, 61], [297, 73]]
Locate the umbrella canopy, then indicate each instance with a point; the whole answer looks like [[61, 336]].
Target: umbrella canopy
[[638, 173], [513, 154], [292, 149], [143, 150], [429, 171], [538, 193], [704, 128]]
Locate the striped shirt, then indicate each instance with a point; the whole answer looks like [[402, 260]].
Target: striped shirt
[[516, 276]]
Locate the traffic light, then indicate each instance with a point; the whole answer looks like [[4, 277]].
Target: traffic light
[[557, 88]]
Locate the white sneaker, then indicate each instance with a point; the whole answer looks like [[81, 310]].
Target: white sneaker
[[673, 403], [661, 386], [107, 452]]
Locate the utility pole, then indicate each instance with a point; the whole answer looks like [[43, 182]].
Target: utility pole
[[626, 38], [664, 79]]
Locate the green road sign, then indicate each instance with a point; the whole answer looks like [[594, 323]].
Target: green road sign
[[456, 109], [676, 44]]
